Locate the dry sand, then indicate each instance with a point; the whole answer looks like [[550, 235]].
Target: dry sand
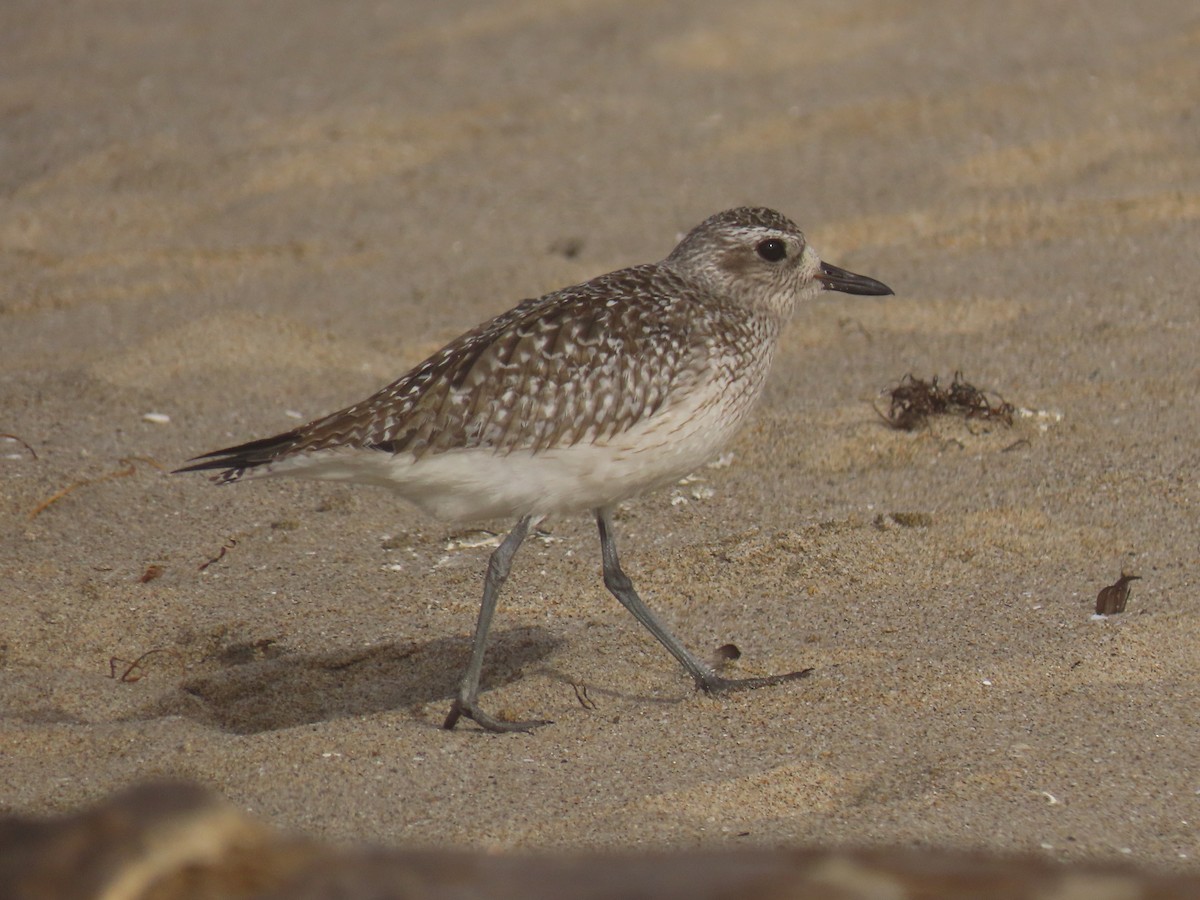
[[232, 214]]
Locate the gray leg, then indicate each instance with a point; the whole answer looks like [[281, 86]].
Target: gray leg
[[468, 689], [622, 588]]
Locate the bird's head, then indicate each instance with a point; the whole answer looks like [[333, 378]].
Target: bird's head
[[759, 258]]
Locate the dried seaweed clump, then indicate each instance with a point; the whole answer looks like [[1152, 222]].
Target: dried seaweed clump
[[914, 400]]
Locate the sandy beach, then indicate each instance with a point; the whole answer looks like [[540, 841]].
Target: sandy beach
[[221, 219]]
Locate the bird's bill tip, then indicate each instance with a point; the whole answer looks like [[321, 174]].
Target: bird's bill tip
[[833, 278]]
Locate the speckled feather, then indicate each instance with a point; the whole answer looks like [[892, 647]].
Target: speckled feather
[[581, 364], [578, 398]]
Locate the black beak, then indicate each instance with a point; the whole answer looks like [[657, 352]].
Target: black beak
[[834, 279]]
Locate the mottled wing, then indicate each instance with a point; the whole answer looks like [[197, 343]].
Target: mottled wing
[[580, 364]]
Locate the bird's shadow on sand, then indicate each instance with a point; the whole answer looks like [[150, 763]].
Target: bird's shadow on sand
[[299, 689]]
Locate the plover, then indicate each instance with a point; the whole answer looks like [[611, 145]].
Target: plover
[[574, 401]]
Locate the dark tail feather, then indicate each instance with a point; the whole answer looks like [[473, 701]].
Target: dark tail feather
[[236, 460]]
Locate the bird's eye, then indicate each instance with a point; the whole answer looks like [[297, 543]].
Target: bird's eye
[[772, 249]]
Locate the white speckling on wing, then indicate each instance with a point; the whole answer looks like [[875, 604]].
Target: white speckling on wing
[[553, 372]]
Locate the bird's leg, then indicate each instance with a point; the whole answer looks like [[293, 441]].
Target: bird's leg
[[468, 689], [621, 587]]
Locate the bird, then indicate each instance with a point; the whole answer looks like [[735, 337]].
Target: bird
[[575, 401]]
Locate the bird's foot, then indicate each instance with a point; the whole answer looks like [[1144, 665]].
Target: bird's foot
[[460, 709], [715, 684]]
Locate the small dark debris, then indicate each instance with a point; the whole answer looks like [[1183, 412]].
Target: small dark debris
[[225, 548], [130, 469], [151, 573], [567, 247], [726, 653], [914, 400], [21, 441], [126, 667], [581, 694], [1112, 599], [132, 670]]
